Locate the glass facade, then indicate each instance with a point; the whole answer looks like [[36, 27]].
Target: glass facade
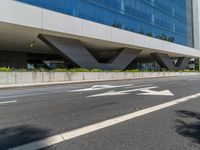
[[169, 20]]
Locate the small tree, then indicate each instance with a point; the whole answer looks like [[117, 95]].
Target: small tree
[[163, 36], [170, 39], [149, 34], [117, 25]]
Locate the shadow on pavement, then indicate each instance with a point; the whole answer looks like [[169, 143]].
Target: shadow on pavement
[[189, 125], [16, 136]]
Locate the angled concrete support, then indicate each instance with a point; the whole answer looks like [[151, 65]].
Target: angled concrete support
[[71, 50], [165, 62], [124, 59], [182, 63], [79, 55]]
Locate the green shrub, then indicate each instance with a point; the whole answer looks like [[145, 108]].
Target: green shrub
[[97, 70], [133, 70], [79, 70], [42, 70], [6, 69], [20, 70], [60, 70], [116, 71], [187, 70]]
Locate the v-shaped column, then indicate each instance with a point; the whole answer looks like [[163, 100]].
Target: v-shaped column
[[70, 49], [77, 53], [126, 56], [165, 62]]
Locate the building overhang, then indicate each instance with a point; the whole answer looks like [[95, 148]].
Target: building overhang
[[21, 24]]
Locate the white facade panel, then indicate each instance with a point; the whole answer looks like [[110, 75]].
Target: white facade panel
[[118, 36], [139, 40], [61, 23], [97, 31], [18, 13]]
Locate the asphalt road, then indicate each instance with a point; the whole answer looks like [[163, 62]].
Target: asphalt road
[[37, 113]]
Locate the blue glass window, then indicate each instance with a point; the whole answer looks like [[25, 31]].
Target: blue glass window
[[166, 19]]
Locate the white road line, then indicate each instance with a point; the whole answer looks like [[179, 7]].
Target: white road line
[[125, 92], [7, 102], [158, 93], [97, 126], [23, 95], [193, 79], [143, 85]]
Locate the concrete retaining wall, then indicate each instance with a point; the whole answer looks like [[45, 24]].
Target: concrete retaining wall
[[19, 78]]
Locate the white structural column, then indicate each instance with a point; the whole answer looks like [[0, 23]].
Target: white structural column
[[196, 21]]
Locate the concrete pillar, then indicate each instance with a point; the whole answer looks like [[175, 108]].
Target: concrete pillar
[[165, 62], [196, 23], [196, 26], [198, 64], [79, 55]]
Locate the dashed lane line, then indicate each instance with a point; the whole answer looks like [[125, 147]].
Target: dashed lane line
[[8, 102]]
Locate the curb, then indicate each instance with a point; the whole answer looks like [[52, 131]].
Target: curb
[[74, 82]]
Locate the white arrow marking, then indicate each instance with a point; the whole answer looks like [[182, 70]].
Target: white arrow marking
[[195, 79], [102, 87], [110, 93], [125, 92], [161, 93]]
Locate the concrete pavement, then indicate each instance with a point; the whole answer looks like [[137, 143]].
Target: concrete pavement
[[35, 113]]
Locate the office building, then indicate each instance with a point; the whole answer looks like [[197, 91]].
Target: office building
[[103, 34]]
